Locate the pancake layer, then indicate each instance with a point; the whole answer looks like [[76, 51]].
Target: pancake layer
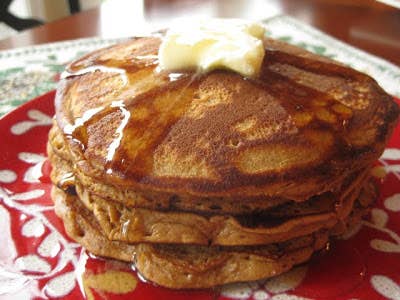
[[206, 179]]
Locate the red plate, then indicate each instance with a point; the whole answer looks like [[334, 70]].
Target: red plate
[[38, 260]]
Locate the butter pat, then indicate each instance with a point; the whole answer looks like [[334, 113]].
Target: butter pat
[[210, 44]]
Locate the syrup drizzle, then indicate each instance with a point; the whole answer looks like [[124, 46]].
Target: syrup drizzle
[[67, 180], [118, 133], [96, 68]]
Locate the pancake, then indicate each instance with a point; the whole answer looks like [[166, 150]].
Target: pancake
[[177, 266], [204, 179], [59, 155], [174, 267], [80, 225], [132, 225], [150, 199], [215, 266], [295, 131]]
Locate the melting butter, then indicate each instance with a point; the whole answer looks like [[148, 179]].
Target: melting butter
[[213, 44]]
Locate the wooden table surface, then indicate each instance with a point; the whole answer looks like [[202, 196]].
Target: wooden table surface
[[366, 24]]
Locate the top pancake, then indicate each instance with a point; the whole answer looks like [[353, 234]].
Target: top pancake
[[296, 130]]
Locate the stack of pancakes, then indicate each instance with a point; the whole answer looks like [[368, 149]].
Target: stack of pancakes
[[202, 179]]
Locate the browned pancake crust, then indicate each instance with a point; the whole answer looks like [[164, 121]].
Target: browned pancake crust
[[129, 224], [81, 226], [177, 266], [295, 131], [64, 174], [57, 150], [187, 267], [202, 266]]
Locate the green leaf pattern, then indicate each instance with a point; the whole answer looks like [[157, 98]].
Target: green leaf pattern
[[27, 73]]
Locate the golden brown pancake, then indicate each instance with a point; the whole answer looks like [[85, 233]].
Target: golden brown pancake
[[132, 225], [178, 266], [162, 201], [293, 132], [193, 267], [151, 199]]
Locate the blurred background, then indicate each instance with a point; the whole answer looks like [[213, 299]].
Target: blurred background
[[18, 15], [367, 24]]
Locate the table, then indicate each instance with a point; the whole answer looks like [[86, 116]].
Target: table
[[366, 24]]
